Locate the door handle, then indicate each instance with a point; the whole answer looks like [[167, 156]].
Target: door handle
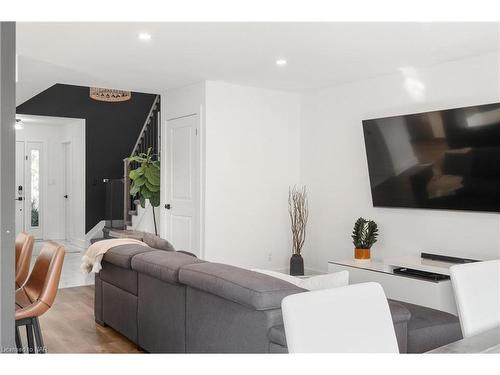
[[19, 198], [167, 206], [66, 196]]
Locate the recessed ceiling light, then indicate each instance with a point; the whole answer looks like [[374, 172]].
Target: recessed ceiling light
[[281, 62], [144, 36]]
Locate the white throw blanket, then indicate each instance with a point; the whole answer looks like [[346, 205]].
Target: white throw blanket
[[91, 261]]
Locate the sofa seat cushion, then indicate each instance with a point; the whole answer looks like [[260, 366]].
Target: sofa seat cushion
[[122, 255], [162, 265], [248, 288], [429, 329]]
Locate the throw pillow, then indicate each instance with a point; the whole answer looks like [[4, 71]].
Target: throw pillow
[[316, 282], [157, 242]]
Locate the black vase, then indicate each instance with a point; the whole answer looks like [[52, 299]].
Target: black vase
[[296, 265]]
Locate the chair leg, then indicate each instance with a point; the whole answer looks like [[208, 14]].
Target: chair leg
[[19, 344], [40, 347], [29, 335]]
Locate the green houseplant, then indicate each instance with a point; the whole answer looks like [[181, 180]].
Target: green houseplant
[[364, 235], [146, 180]]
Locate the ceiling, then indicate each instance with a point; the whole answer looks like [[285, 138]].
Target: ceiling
[[318, 54]]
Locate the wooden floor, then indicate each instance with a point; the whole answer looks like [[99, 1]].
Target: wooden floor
[[69, 326]]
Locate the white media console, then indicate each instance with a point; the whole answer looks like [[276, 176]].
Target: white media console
[[434, 294]]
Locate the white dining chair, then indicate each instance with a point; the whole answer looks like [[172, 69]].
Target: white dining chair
[[477, 293], [350, 319]]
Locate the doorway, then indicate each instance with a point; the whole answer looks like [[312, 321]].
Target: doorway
[[50, 179]]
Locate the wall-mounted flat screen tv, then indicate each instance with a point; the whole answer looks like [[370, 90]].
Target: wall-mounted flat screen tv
[[447, 159]]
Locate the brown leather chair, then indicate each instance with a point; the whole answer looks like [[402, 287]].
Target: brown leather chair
[[37, 295], [24, 252]]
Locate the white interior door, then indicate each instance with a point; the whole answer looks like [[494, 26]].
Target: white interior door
[[20, 186], [34, 194], [182, 198], [67, 196]]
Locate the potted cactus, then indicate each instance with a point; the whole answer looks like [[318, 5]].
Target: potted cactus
[[364, 235]]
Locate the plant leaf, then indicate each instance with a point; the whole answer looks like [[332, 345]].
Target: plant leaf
[[153, 175], [141, 180], [136, 158], [155, 200], [152, 188], [134, 189], [136, 173], [145, 192]]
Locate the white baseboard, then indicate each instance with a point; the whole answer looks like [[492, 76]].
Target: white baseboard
[[52, 236]]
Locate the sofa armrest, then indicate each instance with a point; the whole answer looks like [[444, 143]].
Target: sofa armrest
[[399, 313]]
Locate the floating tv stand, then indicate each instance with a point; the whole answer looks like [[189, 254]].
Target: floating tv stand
[[409, 279]]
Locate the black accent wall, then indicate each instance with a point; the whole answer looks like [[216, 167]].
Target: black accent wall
[[111, 130]]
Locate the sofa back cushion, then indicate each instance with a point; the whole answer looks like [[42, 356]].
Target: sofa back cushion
[[162, 265], [121, 255], [251, 289]]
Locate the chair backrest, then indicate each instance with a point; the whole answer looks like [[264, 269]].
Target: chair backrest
[[477, 293], [43, 280], [350, 319], [24, 252]]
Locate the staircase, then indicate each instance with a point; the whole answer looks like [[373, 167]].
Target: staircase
[[118, 222], [148, 138]]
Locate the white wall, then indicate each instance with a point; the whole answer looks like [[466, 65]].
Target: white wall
[[334, 166], [249, 157], [53, 133], [252, 157]]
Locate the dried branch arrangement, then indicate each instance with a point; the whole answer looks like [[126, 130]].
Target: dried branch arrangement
[[299, 212]]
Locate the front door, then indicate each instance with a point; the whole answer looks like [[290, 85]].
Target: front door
[[20, 186], [182, 191]]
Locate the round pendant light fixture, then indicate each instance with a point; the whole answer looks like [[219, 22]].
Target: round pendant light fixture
[[109, 95]]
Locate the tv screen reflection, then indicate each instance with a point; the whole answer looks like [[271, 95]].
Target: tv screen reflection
[[447, 159]]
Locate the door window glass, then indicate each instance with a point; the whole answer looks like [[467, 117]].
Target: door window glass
[[35, 187]]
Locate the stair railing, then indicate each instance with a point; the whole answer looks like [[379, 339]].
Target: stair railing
[[148, 137]]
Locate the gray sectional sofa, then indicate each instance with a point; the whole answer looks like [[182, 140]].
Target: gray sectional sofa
[[171, 302]]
